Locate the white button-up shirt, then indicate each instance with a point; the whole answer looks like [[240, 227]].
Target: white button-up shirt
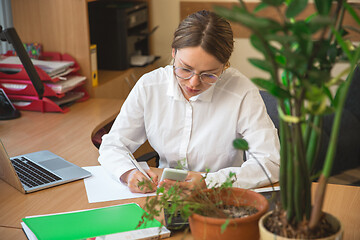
[[199, 132]]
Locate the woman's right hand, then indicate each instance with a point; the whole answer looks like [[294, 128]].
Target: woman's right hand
[[194, 182], [138, 183]]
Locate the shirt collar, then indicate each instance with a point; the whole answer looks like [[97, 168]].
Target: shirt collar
[[175, 91], [174, 88]]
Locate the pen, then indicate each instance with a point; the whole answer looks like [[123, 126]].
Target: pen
[[138, 167]]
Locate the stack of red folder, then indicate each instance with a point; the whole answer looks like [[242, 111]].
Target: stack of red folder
[[60, 89]]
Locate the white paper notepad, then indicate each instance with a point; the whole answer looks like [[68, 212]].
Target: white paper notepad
[[101, 187]]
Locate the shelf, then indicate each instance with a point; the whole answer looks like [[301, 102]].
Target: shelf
[[118, 84], [106, 76], [63, 26]]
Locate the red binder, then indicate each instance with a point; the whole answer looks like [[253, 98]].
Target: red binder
[[18, 86], [24, 87], [33, 103]]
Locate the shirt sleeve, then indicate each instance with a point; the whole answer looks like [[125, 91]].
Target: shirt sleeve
[[126, 135], [256, 127]]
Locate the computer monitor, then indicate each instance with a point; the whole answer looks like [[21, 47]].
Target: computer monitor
[[10, 35]]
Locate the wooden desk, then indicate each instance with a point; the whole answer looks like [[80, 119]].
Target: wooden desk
[[68, 135]]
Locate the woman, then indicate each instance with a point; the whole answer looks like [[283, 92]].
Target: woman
[[191, 111]]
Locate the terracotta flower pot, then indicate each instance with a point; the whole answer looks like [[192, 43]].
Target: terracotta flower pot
[[267, 235], [209, 228]]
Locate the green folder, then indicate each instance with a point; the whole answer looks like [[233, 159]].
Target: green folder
[[88, 223]]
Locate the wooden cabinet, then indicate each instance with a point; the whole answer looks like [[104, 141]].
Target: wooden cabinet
[[63, 26]]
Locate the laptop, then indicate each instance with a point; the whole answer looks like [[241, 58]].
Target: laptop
[[36, 171]]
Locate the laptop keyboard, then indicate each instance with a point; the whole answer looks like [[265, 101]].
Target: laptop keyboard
[[31, 174]]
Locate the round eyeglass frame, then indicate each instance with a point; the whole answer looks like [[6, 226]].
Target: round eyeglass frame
[[193, 73]]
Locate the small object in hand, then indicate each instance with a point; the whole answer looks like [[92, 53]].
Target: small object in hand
[[174, 174]]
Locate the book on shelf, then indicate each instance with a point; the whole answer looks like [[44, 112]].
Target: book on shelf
[[68, 99], [52, 68], [107, 223], [70, 83], [25, 87]]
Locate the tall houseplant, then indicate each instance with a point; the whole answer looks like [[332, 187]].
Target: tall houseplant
[[298, 55]]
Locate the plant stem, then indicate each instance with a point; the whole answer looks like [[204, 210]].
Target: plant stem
[[308, 130], [314, 143], [283, 162], [320, 192], [290, 179], [243, 5], [298, 188]]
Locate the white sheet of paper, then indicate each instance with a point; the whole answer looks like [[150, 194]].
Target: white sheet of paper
[[101, 187]]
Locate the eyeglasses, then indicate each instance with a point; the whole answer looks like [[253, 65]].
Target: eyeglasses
[[184, 73]]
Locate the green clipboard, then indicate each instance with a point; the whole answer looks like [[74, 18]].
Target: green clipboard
[[88, 223]]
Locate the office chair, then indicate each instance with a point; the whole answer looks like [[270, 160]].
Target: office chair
[[348, 151], [96, 137], [271, 107]]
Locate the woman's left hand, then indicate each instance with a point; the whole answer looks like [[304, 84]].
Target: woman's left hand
[[193, 181]]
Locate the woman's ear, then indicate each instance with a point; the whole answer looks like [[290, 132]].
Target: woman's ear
[[173, 53]]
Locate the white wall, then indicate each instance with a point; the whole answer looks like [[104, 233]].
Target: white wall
[[166, 15], [242, 51]]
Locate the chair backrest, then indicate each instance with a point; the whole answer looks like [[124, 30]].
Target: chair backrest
[[271, 107], [152, 158], [348, 152], [96, 137]]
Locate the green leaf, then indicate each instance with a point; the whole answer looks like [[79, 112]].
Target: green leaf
[[338, 94], [257, 44], [328, 94], [332, 52], [287, 105], [280, 60], [260, 7], [343, 44], [301, 28], [160, 190], [271, 88], [319, 22], [308, 19], [296, 62], [323, 6], [286, 77], [224, 226], [352, 12], [295, 7], [239, 15], [313, 93], [241, 144], [281, 38], [262, 64], [319, 76]]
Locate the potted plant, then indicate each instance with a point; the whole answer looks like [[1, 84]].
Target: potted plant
[[220, 212], [298, 55]]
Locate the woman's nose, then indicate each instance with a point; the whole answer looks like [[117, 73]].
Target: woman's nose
[[195, 80]]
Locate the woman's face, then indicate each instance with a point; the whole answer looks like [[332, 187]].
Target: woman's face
[[197, 60]]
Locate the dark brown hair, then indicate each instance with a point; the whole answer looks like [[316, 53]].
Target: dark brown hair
[[208, 30]]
